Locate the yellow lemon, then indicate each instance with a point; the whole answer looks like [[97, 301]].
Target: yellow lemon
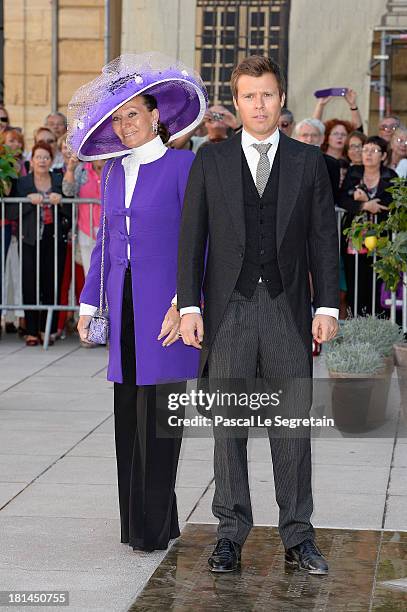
[[371, 242]]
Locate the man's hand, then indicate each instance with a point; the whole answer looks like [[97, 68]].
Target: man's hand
[[324, 328], [192, 330], [83, 327]]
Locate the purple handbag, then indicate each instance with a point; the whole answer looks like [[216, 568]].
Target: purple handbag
[[98, 332]]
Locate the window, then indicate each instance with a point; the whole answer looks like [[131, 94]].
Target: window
[[228, 30]]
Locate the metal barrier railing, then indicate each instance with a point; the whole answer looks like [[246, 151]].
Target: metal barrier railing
[[17, 215], [72, 305], [394, 303]]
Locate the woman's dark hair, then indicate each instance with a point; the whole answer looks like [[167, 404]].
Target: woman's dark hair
[[41, 144], [355, 134], [151, 103], [380, 142]]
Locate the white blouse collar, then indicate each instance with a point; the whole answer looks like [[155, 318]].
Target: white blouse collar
[[146, 153]]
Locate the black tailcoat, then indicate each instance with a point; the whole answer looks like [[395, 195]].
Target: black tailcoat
[[213, 220]]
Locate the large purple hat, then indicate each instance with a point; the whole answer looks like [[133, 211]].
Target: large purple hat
[[180, 93]]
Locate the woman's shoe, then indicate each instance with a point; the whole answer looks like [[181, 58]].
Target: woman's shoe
[[21, 332], [51, 340], [31, 341]]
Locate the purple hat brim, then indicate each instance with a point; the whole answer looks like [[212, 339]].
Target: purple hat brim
[[181, 104]]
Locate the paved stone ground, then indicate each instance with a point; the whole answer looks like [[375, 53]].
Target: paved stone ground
[[59, 525]]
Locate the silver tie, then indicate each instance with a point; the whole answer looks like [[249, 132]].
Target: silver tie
[[263, 167]]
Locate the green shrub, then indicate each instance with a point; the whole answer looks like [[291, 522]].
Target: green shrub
[[354, 358], [380, 333]]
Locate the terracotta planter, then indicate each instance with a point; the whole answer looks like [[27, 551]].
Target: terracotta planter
[[359, 401], [389, 364], [400, 355]]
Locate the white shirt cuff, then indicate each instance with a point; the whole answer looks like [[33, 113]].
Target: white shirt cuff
[[87, 309], [174, 301], [190, 310], [331, 312]]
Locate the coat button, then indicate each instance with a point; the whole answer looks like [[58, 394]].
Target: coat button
[[262, 252], [241, 254]]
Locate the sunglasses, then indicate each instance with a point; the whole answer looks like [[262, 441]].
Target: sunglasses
[[285, 124], [388, 128], [355, 147], [4, 119], [401, 141]]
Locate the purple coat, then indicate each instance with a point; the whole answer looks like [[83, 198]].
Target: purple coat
[[155, 212]]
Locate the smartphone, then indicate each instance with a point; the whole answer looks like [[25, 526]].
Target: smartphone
[[332, 91]]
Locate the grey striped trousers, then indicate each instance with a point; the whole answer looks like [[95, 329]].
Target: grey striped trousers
[[258, 337]]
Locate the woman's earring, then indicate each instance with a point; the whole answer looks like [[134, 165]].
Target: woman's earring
[[154, 126]]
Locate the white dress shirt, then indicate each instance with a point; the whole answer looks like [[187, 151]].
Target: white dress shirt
[[145, 154], [252, 158]]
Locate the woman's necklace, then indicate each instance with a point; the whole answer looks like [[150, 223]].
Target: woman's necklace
[[42, 183], [371, 181]]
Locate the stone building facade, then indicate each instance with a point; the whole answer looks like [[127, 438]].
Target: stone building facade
[[51, 47]]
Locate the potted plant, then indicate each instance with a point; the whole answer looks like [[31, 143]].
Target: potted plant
[[359, 383], [8, 170], [388, 240], [377, 331]]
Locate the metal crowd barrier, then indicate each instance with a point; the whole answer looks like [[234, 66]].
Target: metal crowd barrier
[[50, 308], [74, 202], [394, 304]]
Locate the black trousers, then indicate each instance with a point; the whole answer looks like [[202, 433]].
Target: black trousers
[[257, 337], [36, 320], [146, 462]]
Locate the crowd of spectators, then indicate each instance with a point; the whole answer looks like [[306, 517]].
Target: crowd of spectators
[[360, 170], [46, 174]]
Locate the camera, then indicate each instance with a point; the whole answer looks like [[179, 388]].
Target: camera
[[217, 116], [361, 186]]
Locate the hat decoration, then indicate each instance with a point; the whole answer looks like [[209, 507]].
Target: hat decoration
[[180, 93]]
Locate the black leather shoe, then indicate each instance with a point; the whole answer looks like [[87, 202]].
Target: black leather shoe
[[225, 557], [307, 556]]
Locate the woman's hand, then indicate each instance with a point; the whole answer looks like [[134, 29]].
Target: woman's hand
[[374, 206], [320, 106], [360, 195], [83, 327], [72, 163], [170, 327], [55, 198], [324, 101], [350, 97], [36, 198]]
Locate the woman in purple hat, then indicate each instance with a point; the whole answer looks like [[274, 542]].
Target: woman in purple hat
[[126, 115]]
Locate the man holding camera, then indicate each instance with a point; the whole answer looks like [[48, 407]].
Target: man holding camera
[[220, 124]]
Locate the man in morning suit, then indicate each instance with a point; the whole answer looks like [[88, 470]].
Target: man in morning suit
[[259, 217]]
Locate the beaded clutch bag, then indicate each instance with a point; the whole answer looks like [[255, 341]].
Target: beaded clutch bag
[[98, 332]]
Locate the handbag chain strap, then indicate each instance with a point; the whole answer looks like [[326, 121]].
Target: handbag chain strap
[[102, 259]]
